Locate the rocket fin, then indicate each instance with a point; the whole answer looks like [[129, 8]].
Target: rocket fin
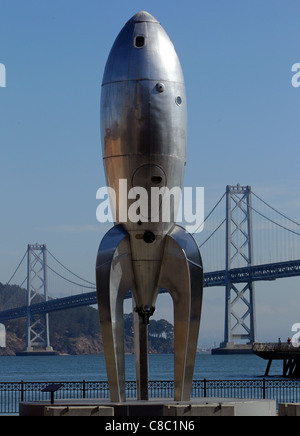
[[114, 277], [182, 276]]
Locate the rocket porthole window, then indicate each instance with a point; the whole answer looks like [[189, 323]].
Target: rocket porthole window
[[160, 87], [139, 41], [178, 100], [156, 179]]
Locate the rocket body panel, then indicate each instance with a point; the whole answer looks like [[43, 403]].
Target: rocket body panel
[[143, 110], [142, 50], [133, 114]]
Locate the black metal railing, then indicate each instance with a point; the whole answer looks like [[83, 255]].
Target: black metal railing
[[281, 390]]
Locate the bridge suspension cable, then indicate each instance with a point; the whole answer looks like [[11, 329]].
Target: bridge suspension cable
[[70, 281], [271, 220], [16, 270], [275, 210], [274, 233], [210, 213], [71, 272], [209, 241], [212, 234]]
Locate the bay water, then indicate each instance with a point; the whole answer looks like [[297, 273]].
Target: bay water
[[161, 367]]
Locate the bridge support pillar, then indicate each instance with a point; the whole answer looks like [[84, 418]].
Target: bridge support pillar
[[37, 333], [240, 323]]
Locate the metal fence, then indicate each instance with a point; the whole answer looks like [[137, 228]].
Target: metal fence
[[281, 390]]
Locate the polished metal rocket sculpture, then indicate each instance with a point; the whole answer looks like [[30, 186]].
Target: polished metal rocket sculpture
[[144, 136]]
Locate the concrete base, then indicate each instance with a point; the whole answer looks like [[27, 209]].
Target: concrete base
[[153, 407], [289, 409], [53, 410]]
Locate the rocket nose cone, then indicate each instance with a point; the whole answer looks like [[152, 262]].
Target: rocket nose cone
[[141, 17]]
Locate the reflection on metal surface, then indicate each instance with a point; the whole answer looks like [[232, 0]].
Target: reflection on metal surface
[[144, 142]]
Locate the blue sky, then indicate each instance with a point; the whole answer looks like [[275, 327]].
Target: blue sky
[[243, 121]]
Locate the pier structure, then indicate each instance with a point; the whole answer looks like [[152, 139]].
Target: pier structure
[[288, 353]]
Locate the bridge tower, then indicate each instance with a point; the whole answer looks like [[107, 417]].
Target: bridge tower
[[37, 333], [240, 322]]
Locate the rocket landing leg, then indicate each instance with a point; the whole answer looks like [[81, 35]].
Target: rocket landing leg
[[114, 278], [182, 276]]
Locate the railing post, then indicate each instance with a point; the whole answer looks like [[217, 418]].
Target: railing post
[[83, 389], [205, 393], [264, 388], [22, 391]]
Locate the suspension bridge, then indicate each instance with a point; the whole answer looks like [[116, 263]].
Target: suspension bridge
[[245, 240]]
